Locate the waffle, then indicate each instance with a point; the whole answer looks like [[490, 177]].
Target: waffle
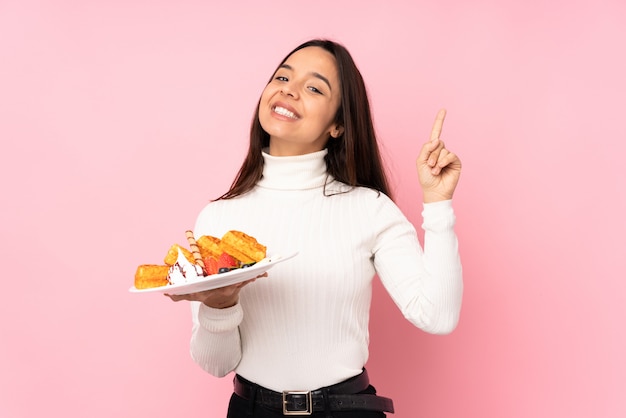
[[151, 275], [242, 246]]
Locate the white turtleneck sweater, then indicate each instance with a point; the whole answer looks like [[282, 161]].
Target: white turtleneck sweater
[[306, 325]]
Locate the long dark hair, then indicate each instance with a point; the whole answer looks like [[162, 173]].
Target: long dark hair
[[353, 158]]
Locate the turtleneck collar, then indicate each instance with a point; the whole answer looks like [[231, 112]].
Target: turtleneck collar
[[296, 172]]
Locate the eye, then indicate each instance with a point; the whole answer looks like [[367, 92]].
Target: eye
[[281, 78], [315, 90]]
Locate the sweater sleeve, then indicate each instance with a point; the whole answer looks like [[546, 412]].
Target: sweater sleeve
[[425, 283], [215, 341]]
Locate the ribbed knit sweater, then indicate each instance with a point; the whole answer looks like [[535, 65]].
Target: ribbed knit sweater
[[305, 326]]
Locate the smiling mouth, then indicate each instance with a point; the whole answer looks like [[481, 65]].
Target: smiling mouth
[[284, 112]]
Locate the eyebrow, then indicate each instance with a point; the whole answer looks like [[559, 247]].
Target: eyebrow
[[313, 73]]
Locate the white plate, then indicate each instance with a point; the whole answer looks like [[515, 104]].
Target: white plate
[[215, 281]]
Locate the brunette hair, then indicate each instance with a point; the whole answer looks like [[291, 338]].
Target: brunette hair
[[353, 158]]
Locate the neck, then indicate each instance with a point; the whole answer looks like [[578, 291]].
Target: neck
[[298, 172], [290, 149]]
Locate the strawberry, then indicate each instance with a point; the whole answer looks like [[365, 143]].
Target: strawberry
[[227, 262], [210, 263]]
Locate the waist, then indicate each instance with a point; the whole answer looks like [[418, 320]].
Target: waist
[[344, 396]]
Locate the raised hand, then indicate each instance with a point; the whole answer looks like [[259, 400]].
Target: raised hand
[[438, 168]]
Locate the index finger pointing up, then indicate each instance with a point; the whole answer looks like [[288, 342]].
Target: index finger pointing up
[[438, 125]]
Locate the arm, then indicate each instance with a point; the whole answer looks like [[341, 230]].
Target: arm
[[215, 343], [426, 284], [216, 315]]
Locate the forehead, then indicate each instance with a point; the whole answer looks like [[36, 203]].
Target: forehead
[[314, 59]]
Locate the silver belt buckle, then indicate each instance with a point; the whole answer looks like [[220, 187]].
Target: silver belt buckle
[[308, 404]]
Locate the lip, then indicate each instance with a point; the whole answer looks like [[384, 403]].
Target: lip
[[285, 106]]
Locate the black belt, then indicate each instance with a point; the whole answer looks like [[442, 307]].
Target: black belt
[[343, 396]]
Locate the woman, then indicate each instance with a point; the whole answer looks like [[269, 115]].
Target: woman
[[313, 182]]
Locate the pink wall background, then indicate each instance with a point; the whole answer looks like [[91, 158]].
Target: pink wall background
[[109, 109]]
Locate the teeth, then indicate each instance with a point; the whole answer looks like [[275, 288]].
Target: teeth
[[285, 112]]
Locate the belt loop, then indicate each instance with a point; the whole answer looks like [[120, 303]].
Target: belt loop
[[326, 403]]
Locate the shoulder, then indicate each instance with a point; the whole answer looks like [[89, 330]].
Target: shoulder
[[213, 215], [359, 193], [368, 201], [337, 188]]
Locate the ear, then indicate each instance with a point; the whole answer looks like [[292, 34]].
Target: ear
[[336, 131]]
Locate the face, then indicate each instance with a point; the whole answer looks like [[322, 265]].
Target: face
[[298, 107]]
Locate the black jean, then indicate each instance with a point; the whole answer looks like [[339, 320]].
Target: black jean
[[242, 408]]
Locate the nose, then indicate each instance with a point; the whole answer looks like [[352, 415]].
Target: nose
[[289, 90]]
